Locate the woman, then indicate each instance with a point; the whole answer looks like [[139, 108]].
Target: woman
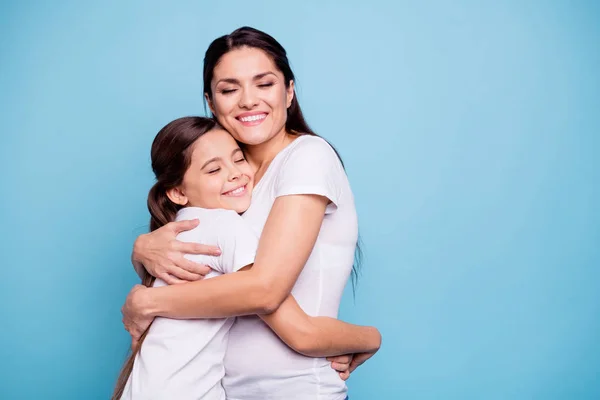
[[201, 172], [303, 211]]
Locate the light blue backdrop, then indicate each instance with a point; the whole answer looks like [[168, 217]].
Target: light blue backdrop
[[470, 131]]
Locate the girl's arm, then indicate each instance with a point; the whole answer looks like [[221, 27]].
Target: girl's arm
[[320, 336], [286, 242]]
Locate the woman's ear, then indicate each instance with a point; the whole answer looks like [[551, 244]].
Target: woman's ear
[[177, 196], [290, 93], [210, 103]]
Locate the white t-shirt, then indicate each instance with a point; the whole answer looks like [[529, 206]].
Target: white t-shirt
[[258, 365], [183, 359]]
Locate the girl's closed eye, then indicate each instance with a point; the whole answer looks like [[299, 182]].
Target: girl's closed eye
[[214, 170], [240, 160]]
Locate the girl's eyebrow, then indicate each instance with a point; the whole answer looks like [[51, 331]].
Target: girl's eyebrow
[[211, 160], [219, 158]]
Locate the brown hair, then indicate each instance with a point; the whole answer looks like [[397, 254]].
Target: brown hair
[[171, 156], [295, 122]]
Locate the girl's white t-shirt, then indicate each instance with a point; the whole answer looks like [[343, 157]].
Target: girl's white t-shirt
[[258, 365], [183, 359]]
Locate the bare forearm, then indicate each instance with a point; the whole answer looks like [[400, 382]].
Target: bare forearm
[[319, 336], [242, 293], [335, 337]]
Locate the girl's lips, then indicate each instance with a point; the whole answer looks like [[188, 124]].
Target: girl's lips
[[252, 119], [237, 192]]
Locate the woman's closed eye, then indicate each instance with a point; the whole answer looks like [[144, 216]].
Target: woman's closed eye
[[227, 91], [266, 84]]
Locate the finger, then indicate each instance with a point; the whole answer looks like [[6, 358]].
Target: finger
[[182, 274], [344, 375], [170, 279], [339, 366], [192, 267], [346, 358], [197, 248], [186, 225]]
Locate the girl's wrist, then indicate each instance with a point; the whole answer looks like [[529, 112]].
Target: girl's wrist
[[138, 248], [146, 303]]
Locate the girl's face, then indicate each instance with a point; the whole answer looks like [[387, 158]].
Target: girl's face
[[250, 97], [218, 177]]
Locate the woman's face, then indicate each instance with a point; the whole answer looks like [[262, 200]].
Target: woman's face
[[218, 176], [250, 97]]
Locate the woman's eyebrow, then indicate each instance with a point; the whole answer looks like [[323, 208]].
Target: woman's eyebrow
[[211, 160], [237, 82], [260, 76]]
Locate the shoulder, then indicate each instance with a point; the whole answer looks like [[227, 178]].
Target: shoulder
[[227, 218], [312, 143], [309, 149], [212, 222]]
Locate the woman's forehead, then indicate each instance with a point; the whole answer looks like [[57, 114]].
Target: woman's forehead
[[244, 63]]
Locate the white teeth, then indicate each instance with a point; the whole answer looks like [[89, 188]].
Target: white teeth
[[237, 191], [253, 118]]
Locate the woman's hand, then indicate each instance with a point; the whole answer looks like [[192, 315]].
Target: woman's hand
[[163, 256], [135, 319]]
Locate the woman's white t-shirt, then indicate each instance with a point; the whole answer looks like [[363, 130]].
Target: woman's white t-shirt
[[258, 365], [183, 359]]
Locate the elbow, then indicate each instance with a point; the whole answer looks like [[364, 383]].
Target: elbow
[[268, 305], [268, 298], [306, 342]]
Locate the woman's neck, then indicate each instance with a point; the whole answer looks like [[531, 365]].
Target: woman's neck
[[260, 155]]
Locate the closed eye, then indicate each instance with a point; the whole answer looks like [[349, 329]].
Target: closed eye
[[240, 160], [228, 91], [266, 85], [214, 171]]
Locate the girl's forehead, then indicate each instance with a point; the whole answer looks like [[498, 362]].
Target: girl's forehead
[[215, 143]]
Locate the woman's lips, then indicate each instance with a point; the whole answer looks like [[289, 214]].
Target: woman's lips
[[252, 119]]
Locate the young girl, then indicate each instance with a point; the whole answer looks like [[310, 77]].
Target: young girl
[[202, 173]]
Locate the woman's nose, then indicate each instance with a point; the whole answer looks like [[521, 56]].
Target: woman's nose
[[248, 99]]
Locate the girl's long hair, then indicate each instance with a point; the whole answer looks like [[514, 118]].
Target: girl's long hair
[[171, 156]]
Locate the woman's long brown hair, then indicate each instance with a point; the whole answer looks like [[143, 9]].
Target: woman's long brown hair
[[171, 156]]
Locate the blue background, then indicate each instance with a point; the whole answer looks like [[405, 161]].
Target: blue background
[[470, 131]]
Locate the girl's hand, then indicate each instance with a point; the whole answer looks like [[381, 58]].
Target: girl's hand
[[163, 256], [359, 359], [346, 364], [135, 319], [342, 364]]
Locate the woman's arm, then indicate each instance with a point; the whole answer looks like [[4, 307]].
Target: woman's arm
[[286, 242], [163, 256], [320, 336]]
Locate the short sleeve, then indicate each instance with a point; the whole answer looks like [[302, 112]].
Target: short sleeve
[[237, 241], [311, 167]]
